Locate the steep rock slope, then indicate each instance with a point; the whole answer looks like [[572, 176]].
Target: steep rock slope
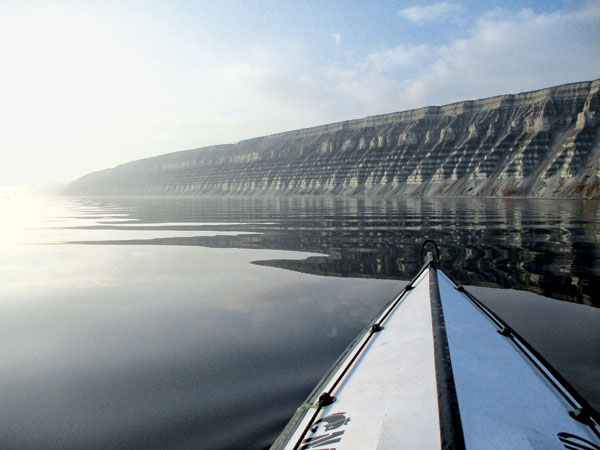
[[544, 143]]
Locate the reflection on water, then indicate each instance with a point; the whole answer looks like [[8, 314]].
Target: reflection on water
[[164, 347], [141, 323], [546, 246]]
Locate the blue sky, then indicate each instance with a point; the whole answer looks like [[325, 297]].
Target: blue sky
[[88, 85]]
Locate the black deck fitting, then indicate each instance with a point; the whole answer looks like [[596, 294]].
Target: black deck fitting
[[376, 328], [326, 399], [435, 259], [504, 331], [580, 415]]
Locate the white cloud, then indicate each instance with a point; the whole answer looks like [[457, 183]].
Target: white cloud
[[503, 53], [337, 37], [105, 107], [400, 56], [437, 11], [270, 91], [274, 90]]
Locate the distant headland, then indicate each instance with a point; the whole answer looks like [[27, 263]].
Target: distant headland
[[544, 143]]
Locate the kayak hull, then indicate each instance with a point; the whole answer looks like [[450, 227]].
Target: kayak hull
[[437, 369]]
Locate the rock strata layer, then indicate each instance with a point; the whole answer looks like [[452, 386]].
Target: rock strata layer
[[544, 143]]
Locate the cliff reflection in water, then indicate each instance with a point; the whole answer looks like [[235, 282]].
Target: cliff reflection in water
[[546, 246]]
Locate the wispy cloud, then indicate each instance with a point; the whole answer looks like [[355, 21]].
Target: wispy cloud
[[429, 13], [504, 52], [337, 37], [136, 107]]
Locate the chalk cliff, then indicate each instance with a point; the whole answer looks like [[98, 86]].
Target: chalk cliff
[[544, 143]]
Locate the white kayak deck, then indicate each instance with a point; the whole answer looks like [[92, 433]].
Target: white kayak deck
[[397, 389]]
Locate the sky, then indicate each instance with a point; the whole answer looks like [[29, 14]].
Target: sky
[[87, 85]]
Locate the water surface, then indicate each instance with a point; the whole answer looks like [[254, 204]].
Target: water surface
[[203, 323]]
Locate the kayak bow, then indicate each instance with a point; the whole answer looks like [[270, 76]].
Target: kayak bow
[[438, 369]]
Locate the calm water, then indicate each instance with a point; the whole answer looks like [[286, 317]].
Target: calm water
[[203, 323]]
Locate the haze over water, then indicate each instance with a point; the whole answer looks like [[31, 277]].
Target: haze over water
[[202, 323]]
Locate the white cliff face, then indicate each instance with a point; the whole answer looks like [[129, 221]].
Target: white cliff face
[[544, 143]]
